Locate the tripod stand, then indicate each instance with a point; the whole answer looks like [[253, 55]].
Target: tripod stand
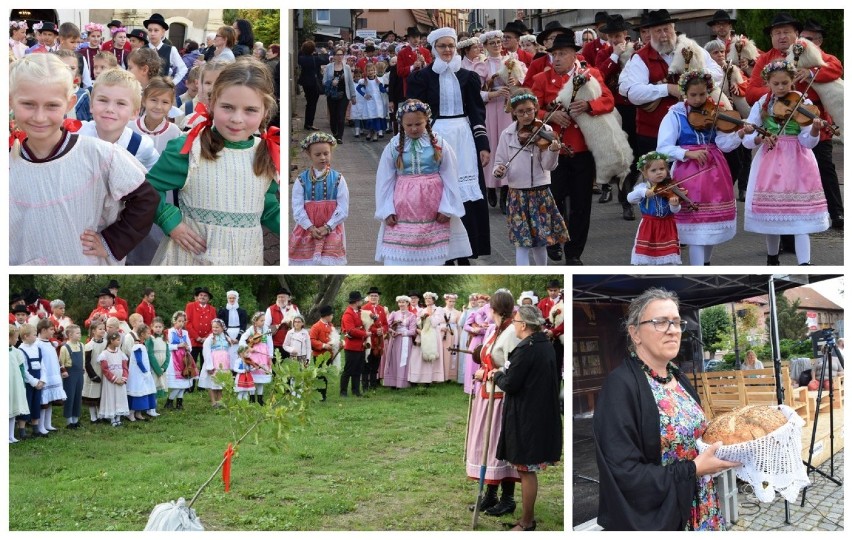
[[828, 349]]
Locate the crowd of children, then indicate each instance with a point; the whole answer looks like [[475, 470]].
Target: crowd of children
[[126, 184]]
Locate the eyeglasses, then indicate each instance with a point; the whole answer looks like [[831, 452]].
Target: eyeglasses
[[518, 320], [663, 325], [524, 112], [446, 46]]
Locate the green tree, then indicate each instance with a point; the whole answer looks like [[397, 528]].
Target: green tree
[[266, 23], [751, 22], [309, 26], [715, 321], [791, 321]]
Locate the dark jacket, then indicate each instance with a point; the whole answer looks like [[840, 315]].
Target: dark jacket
[[241, 315], [636, 492], [532, 427], [309, 71]]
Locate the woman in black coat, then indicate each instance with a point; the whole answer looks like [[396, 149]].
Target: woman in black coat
[[309, 79], [531, 438]]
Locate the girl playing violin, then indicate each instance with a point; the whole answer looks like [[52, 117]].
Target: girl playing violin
[[689, 136], [785, 195], [526, 153], [657, 238]]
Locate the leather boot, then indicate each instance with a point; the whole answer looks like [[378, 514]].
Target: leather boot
[[772, 260], [504, 197], [344, 385], [252, 398], [488, 500], [170, 404], [260, 400], [22, 434], [179, 404], [491, 195], [606, 194], [507, 501]]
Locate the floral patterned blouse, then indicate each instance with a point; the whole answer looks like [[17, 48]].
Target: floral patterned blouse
[[682, 422]]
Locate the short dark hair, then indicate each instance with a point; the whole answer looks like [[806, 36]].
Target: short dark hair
[[146, 291], [191, 45], [308, 48]]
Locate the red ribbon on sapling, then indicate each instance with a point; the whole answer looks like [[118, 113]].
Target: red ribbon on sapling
[[226, 468]]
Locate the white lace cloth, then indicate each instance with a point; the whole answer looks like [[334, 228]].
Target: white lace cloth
[[771, 463]]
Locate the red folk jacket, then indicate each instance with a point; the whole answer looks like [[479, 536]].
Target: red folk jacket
[[381, 322], [353, 328], [147, 311], [320, 335], [198, 322]]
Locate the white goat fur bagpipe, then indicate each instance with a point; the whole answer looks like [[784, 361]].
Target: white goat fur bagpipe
[[511, 66], [830, 93], [557, 317], [606, 140]]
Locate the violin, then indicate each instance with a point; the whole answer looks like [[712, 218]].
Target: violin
[[256, 338], [535, 131], [786, 108], [668, 188], [706, 117]]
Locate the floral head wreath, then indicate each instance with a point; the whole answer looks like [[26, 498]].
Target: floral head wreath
[[693, 74], [778, 65], [94, 27], [465, 43], [491, 34], [116, 29], [431, 295], [526, 96], [317, 137], [650, 157], [20, 25], [403, 298], [413, 105], [528, 37], [37, 26]]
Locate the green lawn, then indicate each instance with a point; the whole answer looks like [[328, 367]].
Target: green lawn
[[390, 461]]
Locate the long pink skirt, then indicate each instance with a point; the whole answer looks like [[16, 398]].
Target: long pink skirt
[[712, 190], [417, 234], [330, 250], [496, 470]]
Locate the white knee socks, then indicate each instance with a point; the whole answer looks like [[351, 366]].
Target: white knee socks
[[12, 438], [803, 248], [522, 256], [540, 255]]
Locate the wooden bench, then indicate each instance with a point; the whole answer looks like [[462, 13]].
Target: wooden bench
[[722, 390], [759, 389]]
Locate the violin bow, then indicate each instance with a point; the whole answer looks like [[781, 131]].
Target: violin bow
[[797, 51], [727, 70], [691, 176]]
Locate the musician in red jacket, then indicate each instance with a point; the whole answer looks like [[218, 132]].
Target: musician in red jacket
[[321, 341], [379, 315], [411, 57], [199, 318], [574, 176], [592, 49], [512, 41], [113, 287], [106, 308], [355, 336], [279, 319], [545, 61], [146, 306]]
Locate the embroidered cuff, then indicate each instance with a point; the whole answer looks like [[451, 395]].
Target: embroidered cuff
[[106, 247]]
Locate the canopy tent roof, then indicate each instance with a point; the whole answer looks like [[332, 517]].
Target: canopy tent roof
[[695, 291]]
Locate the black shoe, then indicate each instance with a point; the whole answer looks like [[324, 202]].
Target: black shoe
[[806, 264], [488, 500], [837, 223], [741, 197], [170, 404], [252, 398], [339, 140], [37, 434], [573, 261], [22, 434], [179, 404], [513, 525], [505, 506], [772, 260], [491, 195], [596, 189], [322, 392], [554, 252], [70, 426], [260, 401], [627, 214], [504, 195], [606, 194]]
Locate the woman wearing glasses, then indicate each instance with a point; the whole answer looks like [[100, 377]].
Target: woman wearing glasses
[[647, 419]]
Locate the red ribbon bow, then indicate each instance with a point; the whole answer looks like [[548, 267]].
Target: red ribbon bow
[[71, 125], [200, 111], [226, 468], [272, 137], [16, 134]]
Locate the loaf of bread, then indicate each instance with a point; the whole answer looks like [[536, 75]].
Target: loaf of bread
[[744, 424]]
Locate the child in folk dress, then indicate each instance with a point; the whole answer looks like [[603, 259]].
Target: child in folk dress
[[534, 221], [206, 80], [417, 195], [656, 240], [52, 394], [93, 194], [227, 177], [373, 110], [157, 99], [785, 194], [217, 358], [320, 202], [158, 356], [114, 367], [141, 390], [82, 109], [102, 62], [36, 380], [20, 379], [181, 366], [71, 359], [356, 108], [94, 377], [261, 352], [243, 381]]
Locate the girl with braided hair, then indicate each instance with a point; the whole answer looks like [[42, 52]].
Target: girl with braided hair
[[657, 237], [417, 195]]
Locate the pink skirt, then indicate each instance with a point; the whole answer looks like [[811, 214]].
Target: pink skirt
[[712, 190], [417, 234], [496, 470], [221, 360], [330, 250]]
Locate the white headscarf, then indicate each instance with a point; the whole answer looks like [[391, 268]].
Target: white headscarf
[[435, 35], [236, 304]]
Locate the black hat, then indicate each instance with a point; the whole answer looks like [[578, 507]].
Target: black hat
[[113, 284], [615, 23], [374, 290], [105, 292], [658, 18], [199, 290], [643, 22], [31, 296], [554, 284], [389, 33], [601, 17], [354, 296], [16, 297], [549, 28], [414, 293], [783, 19], [325, 311], [156, 18], [412, 31], [813, 26], [138, 33], [516, 27], [721, 16], [114, 23], [564, 41], [20, 309], [283, 290], [47, 26]]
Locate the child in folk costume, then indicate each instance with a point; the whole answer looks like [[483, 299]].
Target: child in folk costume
[[52, 394], [36, 380], [476, 325], [356, 108], [158, 356], [320, 202], [94, 33], [261, 351], [157, 99], [657, 237], [71, 359], [182, 367], [428, 367], [97, 190], [114, 367], [141, 388], [700, 169], [227, 177], [402, 327], [19, 379], [217, 358], [243, 381], [373, 109], [417, 195], [298, 341], [785, 195], [102, 62], [92, 383], [534, 221]]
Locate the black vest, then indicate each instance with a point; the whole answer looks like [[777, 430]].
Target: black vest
[[165, 53]]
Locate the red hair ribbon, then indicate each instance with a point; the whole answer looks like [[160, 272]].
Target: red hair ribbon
[[200, 110], [16, 134], [226, 468], [272, 137], [71, 125]]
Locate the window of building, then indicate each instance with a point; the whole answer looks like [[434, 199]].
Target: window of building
[[323, 16]]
